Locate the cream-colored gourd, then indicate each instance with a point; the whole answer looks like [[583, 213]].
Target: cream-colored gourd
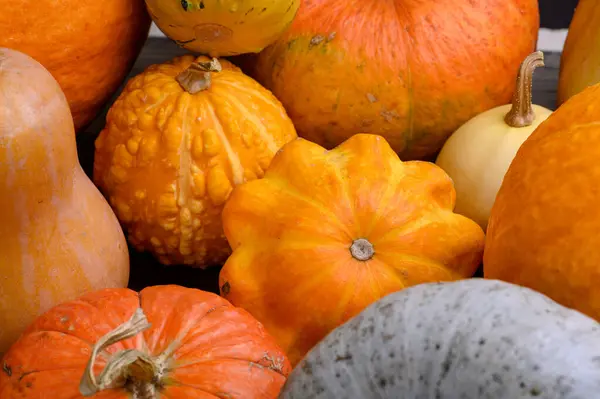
[[478, 154]]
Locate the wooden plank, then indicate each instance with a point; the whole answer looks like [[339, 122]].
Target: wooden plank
[[145, 271]]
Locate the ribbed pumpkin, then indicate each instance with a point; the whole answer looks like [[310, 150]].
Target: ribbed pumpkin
[[177, 140], [223, 28], [165, 342], [410, 71], [59, 237], [88, 46], [544, 226], [580, 58], [325, 233]]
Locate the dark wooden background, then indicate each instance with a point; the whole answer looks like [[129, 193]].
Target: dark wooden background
[[556, 14], [145, 271]]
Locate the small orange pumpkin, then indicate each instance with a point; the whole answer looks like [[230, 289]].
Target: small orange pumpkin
[[177, 140], [325, 233], [167, 341]]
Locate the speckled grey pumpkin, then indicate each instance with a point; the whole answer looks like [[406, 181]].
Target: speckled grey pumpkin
[[470, 339]]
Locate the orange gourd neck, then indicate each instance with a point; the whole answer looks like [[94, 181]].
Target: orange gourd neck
[[521, 113], [130, 369], [197, 77]]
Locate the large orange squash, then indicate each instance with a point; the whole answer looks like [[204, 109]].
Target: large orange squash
[[411, 71], [165, 342], [88, 46], [544, 230], [177, 140], [58, 236], [325, 233]]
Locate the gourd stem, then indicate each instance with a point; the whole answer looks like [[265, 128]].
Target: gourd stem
[[197, 77], [129, 368], [361, 249], [521, 113]]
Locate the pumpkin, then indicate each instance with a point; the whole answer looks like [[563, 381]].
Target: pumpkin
[[167, 341], [58, 236], [543, 230], [325, 233], [433, 66], [177, 140], [478, 154], [580, 58], [89, 47], [467, 339], [222, 28]]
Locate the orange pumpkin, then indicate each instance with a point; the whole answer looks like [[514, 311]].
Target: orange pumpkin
[[325, 233], [544, 225], [58, 236], [176, 142], [88, 46], [167, 341], [411, 71]]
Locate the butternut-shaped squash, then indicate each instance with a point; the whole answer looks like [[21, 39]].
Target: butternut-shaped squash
[[58, 236]]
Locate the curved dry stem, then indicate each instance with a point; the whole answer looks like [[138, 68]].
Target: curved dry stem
[[197, 77], [521, 114], [130, 366]]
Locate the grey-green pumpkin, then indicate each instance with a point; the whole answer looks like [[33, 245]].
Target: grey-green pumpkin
[[470, 339]]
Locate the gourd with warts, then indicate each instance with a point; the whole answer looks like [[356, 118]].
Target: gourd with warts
[[176, 142], [58, 236], [223, 28], [478, 154], [325, 233], [166, 341]]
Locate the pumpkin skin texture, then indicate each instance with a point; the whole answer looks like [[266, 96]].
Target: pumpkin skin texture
[[89, 47], [175, 145], [58, 236], [199, 345], [580, 58], [223, 28], [470, 339], [435, 65], [543, 229], [354, 223], [478, 154]]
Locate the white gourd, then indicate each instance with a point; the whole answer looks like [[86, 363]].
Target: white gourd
[[478, 154], [469, 339]]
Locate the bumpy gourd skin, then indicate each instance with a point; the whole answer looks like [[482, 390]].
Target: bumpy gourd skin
[[326, 233], [168, 160]]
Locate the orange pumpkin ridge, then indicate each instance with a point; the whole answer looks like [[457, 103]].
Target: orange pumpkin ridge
[[434, 66], [169, 340], [325, 233], [89, 47], [58, 236]]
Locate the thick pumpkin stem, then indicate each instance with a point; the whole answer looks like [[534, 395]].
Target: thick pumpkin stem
[[131, 368], [521, 114], [198, 75], [362, 249]]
